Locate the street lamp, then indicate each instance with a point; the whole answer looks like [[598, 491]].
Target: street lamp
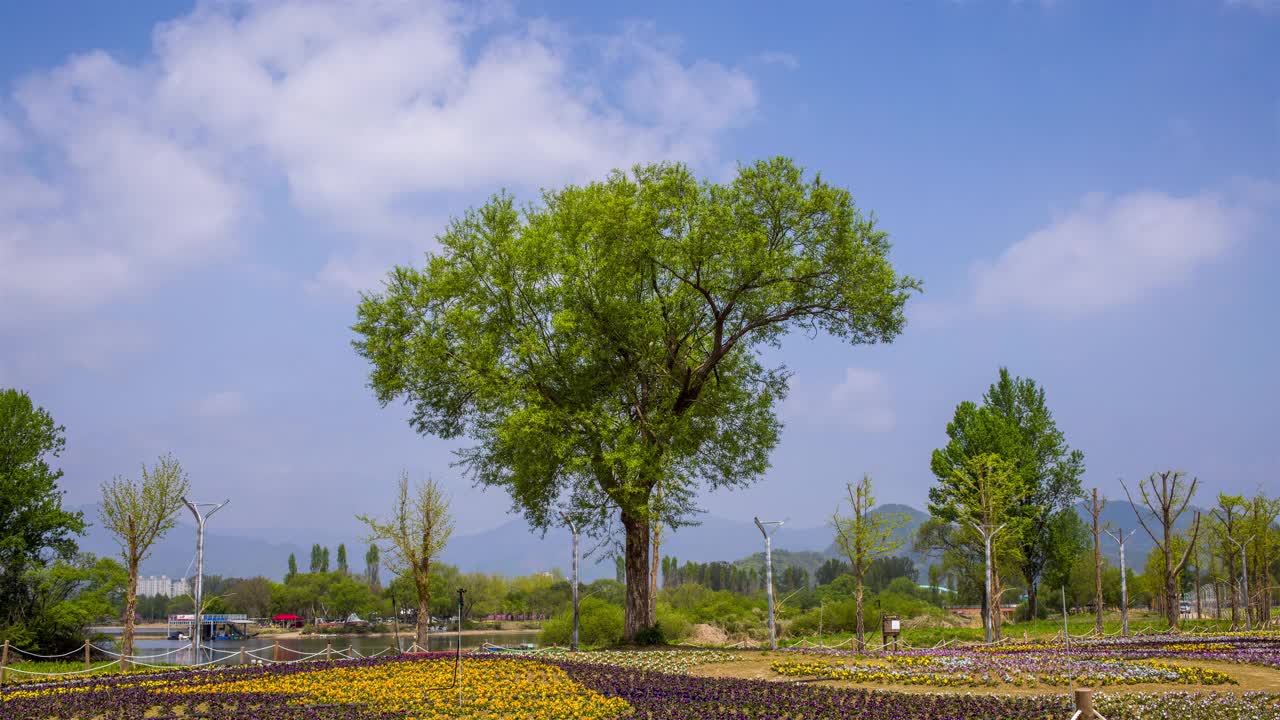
[[768, 573], [199, 599]]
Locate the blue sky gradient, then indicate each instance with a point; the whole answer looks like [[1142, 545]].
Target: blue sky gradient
[[194, 196]]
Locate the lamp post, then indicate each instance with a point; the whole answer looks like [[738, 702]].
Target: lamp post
[[768, 574], [1244, 580], [1121, 538], [993, 604], [201, 518], [573, 527]]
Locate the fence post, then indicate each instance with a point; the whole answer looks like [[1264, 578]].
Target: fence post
[[275, 652], [4, 660], [87, 661], [242, 660], [328, 648], [1084, 703], [351, 652]]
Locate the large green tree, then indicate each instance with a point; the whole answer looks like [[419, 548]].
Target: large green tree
[[1015, 423], [604, 343], [34, 527]]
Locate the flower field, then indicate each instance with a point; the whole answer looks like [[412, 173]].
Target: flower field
[[946, 671], [659, 685]]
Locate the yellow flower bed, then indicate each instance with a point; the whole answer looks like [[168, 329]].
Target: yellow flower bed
[[490, 689]]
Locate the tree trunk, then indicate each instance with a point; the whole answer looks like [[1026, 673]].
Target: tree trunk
[[637, 613], [130, 609], [1097, 565], [653, 573], [1033, 594], [857, 602], [1172, 603], [424, 619]]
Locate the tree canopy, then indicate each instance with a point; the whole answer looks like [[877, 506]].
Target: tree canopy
[[1014, 422], [35, 526], [604, 342]]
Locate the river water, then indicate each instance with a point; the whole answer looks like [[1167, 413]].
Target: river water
[[292, 648]]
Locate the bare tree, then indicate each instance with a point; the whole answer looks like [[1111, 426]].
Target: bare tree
[[138, 513], [863, 536], [417, 532], [1095, 511], [1166, 495]]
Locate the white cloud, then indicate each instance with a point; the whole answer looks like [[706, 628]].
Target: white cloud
[[121, 175], [220, 404], [861, 402], [1113, 251]]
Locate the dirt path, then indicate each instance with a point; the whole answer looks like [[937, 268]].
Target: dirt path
[[756, 667]]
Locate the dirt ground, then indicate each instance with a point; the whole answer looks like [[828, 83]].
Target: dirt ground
[[755, 666]]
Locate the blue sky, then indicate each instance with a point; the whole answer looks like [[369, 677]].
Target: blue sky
[[194, 195]]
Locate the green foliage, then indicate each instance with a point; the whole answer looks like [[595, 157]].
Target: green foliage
[[675, 625], [732, 612], [599, 625], [604, 341], [830, 570], [34, 527], [1014, 422], [652, 635], [63, 599]]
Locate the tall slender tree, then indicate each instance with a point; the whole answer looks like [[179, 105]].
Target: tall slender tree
[[1225, 527], [317, 558], [293, 568], [416, 532], [1095, 512], [1166, 495], [372, 561], [864, 535], [342, 558], [1014, 422], [138, 513], [603, 343], [324, 560]]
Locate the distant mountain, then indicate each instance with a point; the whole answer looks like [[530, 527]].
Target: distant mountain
[[512, 548]]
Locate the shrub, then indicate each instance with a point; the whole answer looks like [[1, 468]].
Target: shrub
[[675, 625], [599, 623], [651, 635]]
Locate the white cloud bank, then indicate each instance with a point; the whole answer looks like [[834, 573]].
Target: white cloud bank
[[1113, 251], [860, 402], [118, 176]]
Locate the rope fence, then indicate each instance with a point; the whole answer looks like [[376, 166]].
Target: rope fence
[[267, 654]]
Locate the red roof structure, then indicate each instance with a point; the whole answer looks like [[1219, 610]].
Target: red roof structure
[[285, 617]]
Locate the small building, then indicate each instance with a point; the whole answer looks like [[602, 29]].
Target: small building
[[288, 620]]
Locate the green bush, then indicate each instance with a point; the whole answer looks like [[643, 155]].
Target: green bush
[[674, 624], [651, 635], [599, 624]]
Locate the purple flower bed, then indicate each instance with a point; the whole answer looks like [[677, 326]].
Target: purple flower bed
[[680, 697]]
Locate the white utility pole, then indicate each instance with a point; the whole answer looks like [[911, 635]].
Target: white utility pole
[[768, 574], [993, 604], [573, 527], [1244, 580], [1121, 538], [199, 590]]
